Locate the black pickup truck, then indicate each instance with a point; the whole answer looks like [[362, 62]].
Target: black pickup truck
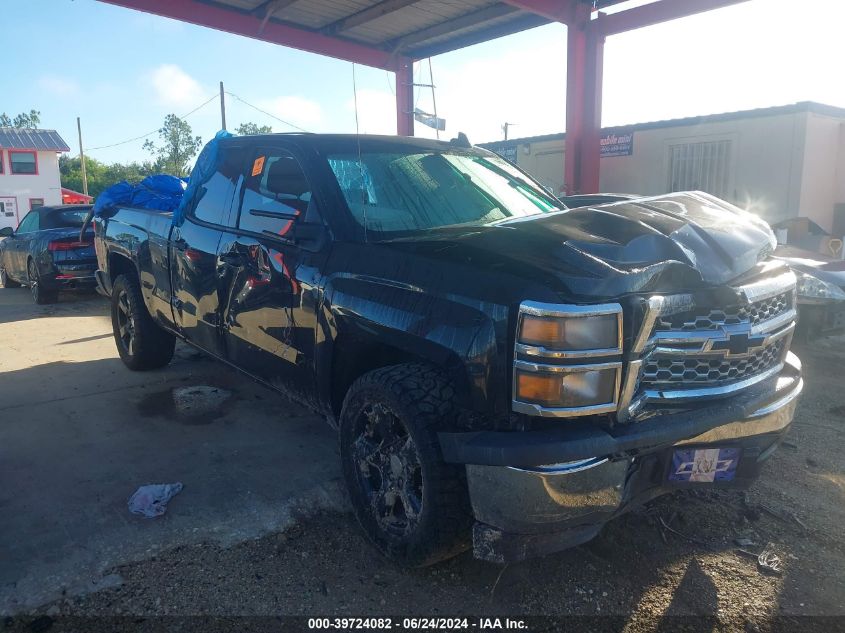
[[503, 371]]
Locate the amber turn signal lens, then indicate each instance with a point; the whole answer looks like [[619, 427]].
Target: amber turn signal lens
[[547, 332], [598, 332], [539, 388], [567, 389]]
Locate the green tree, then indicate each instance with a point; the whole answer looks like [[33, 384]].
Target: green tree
[[250, 129], [29, 120], [100, 175], [177, 146]]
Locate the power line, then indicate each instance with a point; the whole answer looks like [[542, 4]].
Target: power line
[[272, 116], [138, 138]]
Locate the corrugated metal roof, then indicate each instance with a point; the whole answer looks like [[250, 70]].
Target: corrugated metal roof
[[42, 140], [414, 28]]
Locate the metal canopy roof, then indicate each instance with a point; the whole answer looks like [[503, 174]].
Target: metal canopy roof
[[392, 34], [39, 140], [387, 29]]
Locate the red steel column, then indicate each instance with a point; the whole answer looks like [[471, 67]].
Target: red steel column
[[584, 60], [405, 97]]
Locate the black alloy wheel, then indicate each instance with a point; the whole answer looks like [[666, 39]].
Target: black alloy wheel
[[413, 506], [389, 469]]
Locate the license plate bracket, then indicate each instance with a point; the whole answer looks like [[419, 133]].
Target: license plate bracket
[[704, 464]]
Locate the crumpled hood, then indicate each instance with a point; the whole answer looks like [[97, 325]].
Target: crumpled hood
[[665, 243]]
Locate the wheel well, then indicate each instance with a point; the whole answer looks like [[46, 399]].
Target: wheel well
[[120, 265], [353, 358]]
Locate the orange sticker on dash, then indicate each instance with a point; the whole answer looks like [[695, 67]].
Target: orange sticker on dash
[[258, 166]]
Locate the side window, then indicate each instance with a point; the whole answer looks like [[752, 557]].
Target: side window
[[215, 198], [29, 223], [276, 192]]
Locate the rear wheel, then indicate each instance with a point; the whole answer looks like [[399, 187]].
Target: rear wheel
[[413, 506], [5, 281], [141, 343], [40, 295]]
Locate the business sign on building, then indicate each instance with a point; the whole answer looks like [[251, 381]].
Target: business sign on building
[[619, 144]]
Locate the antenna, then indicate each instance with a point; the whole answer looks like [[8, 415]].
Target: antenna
[[360, 161]]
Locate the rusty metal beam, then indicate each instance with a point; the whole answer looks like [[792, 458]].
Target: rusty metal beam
[[245, 23], [405, 97]]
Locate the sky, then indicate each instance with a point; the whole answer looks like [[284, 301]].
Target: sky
[[123, 71]]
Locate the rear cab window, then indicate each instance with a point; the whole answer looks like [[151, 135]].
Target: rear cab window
[[213, 204]]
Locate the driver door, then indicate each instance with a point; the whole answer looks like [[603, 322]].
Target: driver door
[[269, 317]]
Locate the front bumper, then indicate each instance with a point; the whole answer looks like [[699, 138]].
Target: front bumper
[[524, 509]]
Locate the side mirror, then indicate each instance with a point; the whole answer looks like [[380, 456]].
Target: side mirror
[[7, 231]]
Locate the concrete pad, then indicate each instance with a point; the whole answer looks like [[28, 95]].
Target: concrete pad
[[79, 433]]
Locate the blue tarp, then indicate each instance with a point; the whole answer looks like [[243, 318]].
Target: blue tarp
[[162, 192], [203, 169]]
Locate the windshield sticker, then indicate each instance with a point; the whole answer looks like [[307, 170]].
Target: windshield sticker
[[258, 166]]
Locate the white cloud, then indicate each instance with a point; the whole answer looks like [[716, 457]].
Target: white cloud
[[174, 87], [376, 111], [300, 111], [59, 86]]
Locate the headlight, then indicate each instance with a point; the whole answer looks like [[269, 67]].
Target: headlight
[[570, 330], [814, 288], [567, 359]]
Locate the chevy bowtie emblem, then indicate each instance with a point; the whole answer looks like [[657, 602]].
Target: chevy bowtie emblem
[[738, 344]]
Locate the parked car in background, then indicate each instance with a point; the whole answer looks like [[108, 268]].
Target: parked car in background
[[821, 291], [821, 279], [47, 253]]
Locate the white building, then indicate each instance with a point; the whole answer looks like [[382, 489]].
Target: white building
[[781, 162], [29, 171]]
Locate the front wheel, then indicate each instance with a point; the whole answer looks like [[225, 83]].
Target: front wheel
[[141, 343], [40, 295], [412, 505]]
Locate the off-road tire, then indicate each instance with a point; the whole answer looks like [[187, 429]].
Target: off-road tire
[[6, 281], [421, 399], [141, 343], [40, 295]]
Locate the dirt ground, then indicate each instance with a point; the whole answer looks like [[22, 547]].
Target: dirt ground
[[637, 569]]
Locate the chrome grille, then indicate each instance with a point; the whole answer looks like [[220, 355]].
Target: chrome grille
[[754, 313], [709, 370]]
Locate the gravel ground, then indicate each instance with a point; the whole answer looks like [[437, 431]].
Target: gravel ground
[[635, 569]]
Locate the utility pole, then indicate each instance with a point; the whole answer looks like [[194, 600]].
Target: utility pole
[[505, 127], [82, 158], [222, 107]]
